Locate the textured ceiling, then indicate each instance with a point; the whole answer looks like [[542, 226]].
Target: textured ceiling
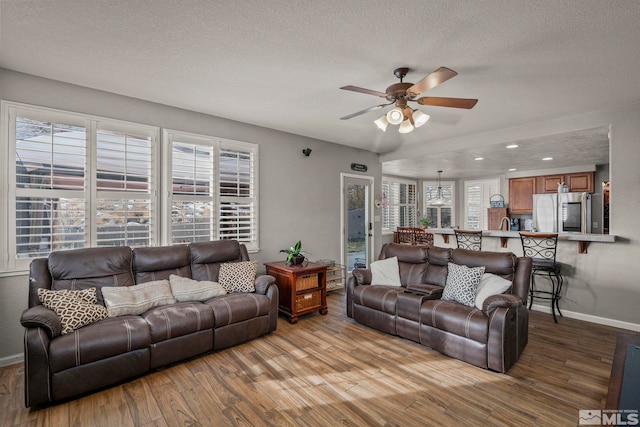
[[279, 63]]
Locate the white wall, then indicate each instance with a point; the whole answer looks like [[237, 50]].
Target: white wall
[[299, 196]]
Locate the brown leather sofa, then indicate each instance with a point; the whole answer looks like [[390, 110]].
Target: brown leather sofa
[[115, 349], [492, 338]]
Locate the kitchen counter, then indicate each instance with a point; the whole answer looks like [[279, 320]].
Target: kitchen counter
[[583, 239]]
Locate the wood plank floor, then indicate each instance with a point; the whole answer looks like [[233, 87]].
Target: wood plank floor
[[328, 370]]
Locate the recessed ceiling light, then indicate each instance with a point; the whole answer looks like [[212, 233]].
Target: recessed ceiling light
[[547, 158], [512, 169], [512, 146], [479, 158]]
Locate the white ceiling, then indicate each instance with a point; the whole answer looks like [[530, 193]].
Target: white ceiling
[[279, 64]]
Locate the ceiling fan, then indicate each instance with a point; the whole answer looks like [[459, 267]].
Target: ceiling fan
[[402, 93]]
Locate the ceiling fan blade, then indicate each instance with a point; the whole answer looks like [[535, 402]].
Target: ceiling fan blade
[[363, 90], [364, 111], [437, 77], [447, 102]]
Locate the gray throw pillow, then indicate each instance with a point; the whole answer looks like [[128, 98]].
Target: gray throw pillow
[[462, 282]]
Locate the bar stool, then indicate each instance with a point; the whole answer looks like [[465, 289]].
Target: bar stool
[[469, 239], [541, 248]]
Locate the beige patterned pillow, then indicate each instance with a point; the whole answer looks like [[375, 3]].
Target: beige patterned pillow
[[238, 276], [74, 308], [185, 289], [124, 300]]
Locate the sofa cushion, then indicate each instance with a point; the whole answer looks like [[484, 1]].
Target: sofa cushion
[[75, 309], [207, 257], [462, 282], [97, 341], [185, 289], [238, 307], [178, 319], [490, 284], [132, 300], [380, 298], [454, 318], [159, 262], [238, 276], [385, 272]]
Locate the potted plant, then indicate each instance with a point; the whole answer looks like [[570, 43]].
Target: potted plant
[[295, 254], [425, 222]]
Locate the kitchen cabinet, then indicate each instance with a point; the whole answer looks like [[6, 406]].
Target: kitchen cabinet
[[548, 183], [578, 182], [494, 216], [521, 191]]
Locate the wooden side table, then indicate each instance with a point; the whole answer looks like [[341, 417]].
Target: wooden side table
[[303, 288]]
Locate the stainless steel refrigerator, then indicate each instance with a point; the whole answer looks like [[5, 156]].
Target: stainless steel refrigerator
[[562, 213]]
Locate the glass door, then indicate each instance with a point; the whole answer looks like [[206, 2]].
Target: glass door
[[357, 221]]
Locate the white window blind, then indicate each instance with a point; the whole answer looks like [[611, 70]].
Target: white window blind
[[124, 183], [477, 195], [399, 204], [440, 216], [214, 189], [48, 184]]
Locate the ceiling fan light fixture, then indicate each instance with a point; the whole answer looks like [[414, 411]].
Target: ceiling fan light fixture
[[405, 127], [382, 123], [419, 118], [395, 116]]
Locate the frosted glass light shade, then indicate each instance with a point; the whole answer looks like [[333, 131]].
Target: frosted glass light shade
[[382, 123], [419, 118], [405, 127], [395, 116]]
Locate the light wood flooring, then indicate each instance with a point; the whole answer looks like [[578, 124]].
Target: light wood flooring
[[329, 370]]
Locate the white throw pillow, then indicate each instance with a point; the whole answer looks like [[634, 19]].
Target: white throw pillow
[[186, 289], [490, 284], [123, 300], [385, 272], [462, 282]]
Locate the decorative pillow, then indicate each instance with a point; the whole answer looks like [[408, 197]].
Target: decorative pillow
[[238, 276], [185, 289], [385, 272], [123, 300], [74, 308], [490, 284], [461, 284]]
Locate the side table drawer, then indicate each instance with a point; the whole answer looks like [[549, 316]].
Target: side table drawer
[[309, 300]]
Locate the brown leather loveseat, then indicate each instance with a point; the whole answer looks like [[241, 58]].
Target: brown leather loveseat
[[60, 366], [492, 337]]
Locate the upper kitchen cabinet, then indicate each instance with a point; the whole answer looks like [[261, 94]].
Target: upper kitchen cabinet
[[521, 191], [576, 182]]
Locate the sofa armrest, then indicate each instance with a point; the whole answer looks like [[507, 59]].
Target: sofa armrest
[[501, 300], [41, 317], [263, 282], [362, 276]]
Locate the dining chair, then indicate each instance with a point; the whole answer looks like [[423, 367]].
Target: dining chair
[[405, 235], [469, 239], [542, 248], [422, 238]]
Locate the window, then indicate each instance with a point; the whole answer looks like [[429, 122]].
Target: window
[[441, 216], [76, 181], [399, 204], [214, 189], [477, 195]]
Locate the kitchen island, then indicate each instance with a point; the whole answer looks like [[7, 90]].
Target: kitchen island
[[583, 239]]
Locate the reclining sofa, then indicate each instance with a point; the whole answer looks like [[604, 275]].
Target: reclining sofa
[[60, 366], [492, 337]]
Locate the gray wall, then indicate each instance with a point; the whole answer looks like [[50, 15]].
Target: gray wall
[[299, 196]]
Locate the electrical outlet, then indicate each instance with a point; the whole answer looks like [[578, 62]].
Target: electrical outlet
[[595, 224]]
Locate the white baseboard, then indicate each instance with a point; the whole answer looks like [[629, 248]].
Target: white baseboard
[[590, 318], [11, 360]]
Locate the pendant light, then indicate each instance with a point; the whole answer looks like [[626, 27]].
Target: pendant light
[[439, 200]]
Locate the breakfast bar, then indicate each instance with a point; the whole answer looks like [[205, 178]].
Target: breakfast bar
[[583, 239]]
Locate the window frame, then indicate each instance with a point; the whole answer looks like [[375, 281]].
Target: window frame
[[386, 203], [485, 197]]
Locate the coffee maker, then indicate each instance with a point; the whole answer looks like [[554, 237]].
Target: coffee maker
[[515, 224]]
